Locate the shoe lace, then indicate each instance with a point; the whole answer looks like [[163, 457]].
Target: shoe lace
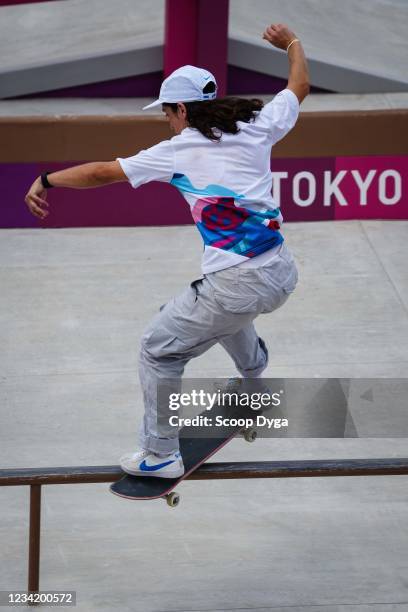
[[141, 454]]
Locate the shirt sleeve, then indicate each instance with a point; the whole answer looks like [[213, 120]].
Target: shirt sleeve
[[280, 115], [153, 164]]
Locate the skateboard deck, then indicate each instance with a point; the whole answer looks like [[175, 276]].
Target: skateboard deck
[[194, 450]]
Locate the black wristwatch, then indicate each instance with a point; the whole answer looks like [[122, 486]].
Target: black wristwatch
[[44, 180]]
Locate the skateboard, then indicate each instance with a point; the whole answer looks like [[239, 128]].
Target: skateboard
[[195, 450]]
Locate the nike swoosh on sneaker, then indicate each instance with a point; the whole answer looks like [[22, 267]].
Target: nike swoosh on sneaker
[[153, 468]]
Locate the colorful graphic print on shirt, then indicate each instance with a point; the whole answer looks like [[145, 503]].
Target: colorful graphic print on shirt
[[225, 225]]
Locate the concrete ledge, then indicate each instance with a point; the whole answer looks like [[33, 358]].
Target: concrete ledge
[[81, 71], [342, 79], [97, 138]]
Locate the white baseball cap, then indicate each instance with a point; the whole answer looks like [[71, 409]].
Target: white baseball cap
[[185, 84]]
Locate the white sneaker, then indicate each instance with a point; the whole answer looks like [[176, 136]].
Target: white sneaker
[[146, 463]]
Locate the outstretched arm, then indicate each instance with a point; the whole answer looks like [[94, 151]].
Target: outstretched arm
[[281, 37], [94, 174]]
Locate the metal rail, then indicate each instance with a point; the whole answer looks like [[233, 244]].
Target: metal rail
[[36, 477]]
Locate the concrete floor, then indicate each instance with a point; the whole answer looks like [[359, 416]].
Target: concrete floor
[[73, 305]]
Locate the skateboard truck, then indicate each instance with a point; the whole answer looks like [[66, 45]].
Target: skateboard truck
[[173, 498]]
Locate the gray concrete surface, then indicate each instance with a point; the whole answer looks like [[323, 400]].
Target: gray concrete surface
[[52, 45], [73, 305], [353, 46], [60, 31], [37, 107]]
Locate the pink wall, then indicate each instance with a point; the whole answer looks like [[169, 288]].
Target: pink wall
[[196, 32], [308, 189]]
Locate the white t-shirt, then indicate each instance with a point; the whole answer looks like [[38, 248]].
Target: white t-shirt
[[227, 183]]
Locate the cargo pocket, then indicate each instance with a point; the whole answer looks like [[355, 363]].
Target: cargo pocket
[[235, 291], [236, 303], [280, 281], [195, 287], [158, 342], [281, 274], [290, 284]]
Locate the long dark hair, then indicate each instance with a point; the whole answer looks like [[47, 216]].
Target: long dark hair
[[212, 117]]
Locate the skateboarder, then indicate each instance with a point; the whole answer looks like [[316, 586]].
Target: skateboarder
[[219, 159]]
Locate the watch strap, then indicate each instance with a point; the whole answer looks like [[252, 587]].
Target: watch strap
[[44, 180]]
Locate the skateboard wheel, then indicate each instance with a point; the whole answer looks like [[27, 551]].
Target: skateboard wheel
[[250, 435], [173, 499]]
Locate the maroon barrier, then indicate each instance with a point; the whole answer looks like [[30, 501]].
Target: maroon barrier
[[307, 189]]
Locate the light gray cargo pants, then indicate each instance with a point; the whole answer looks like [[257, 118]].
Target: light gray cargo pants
[[219, 307]]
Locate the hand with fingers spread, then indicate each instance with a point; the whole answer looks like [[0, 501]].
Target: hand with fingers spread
[[279, 35], [36, 199]]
